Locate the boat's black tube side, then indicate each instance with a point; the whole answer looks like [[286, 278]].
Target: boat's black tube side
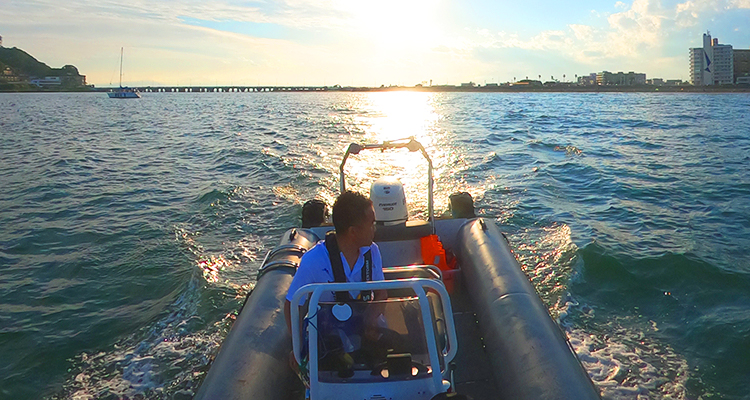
[[253, 361], [530, 355]]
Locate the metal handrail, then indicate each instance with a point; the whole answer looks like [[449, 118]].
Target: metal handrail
[[417, 267], [408, 143], [418, 285]]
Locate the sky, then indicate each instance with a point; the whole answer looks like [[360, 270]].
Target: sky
[[367, 43]]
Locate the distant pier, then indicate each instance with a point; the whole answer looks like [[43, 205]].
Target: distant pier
[[565, 88], [224, 89]]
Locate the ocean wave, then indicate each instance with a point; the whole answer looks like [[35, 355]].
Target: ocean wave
[[689, 302]]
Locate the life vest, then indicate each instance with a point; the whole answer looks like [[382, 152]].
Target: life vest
[[334, 254]]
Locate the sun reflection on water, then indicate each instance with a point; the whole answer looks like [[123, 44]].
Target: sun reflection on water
[[389, 116], [402, 114]]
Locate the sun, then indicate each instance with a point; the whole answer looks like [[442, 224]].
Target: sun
[[395, 24]]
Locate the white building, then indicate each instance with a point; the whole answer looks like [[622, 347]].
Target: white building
[[696, 66], [712, 64], [620, 78], [47, 81], [701, 63], [723, 63]]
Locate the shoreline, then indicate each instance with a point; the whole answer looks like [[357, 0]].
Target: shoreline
[[429, 89]]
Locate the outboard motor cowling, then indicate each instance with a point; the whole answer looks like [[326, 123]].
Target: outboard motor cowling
[[389, 201]]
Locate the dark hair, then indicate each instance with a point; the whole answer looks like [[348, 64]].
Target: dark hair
[[314, 213], [349, 210]]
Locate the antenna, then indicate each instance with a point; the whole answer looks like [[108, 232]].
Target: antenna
[[121, 52]]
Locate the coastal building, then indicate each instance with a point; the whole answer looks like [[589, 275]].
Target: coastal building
[[696, 66], [587, 80], [674, 82], [527, 82], [712, 64], [741, 64], [620, 78], [48, 81], [655, 81], [701, 63], [1, 41], [723, 63], [9, 76]]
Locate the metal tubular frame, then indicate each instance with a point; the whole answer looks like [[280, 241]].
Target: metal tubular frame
[[417, 267], [315, 290], [408, 143]]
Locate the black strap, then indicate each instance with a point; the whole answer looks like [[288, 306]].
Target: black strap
[[338, 270], [367, 295]]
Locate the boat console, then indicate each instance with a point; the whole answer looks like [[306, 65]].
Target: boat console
[[397, 348]]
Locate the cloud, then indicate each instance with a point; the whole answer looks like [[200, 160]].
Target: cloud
[[160, 47], [639, 36], [692, 12], [582, 32], [626, 34]]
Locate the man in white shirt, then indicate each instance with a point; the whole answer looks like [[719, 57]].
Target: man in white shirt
[[354, 220], [358, 258]]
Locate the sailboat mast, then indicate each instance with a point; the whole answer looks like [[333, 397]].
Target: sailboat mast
[[121, 51]]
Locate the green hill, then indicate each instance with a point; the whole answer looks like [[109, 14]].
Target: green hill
[[22, 63], [24, 68]]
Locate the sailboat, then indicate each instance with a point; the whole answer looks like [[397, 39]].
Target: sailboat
[[123, 92]]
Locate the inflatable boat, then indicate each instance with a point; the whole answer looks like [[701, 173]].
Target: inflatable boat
[[461, 317]]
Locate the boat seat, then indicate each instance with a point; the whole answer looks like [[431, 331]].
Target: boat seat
[[421, 271], [409, 230]]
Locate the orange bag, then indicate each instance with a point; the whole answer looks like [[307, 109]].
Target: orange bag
[[433, 253]]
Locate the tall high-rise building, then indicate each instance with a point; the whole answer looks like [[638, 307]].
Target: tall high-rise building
[[708, 59], [701, 63], [712, 64], [696, 66], [723, 63]]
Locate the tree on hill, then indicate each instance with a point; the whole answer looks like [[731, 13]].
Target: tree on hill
[[69, 70]]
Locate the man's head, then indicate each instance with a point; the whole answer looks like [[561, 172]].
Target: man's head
[[354, 218]]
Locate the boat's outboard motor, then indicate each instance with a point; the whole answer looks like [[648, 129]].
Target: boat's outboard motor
[[389, 200]]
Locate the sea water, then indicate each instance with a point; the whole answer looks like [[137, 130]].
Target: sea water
[[132, 230]]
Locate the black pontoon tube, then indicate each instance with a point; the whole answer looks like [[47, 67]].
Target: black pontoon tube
[[253, 361], [530, 355]]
